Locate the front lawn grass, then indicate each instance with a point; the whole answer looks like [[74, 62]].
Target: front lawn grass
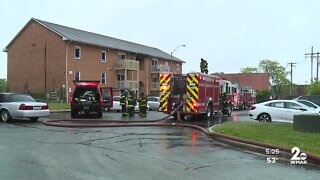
[[273, 133], [58, 106]]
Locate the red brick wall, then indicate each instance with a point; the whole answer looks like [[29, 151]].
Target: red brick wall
[[26, 60], [258, 81]]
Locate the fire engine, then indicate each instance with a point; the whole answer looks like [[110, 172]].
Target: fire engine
[[199, 92], [240, 98]]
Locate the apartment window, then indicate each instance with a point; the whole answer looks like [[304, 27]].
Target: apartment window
[[121, 55], [77, 76], [120, 77], [103, 56], [104, 78], [154, 62], [77, 52]]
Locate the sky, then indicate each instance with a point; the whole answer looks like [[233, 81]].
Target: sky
[[229, 34]]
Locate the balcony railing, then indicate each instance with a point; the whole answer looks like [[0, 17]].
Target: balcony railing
[[127, 64], [132, 85], [155, 86], [159, 68]]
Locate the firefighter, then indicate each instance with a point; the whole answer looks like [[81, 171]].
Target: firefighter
[[202, 63], [205, 67], [225, 104], [123, 103], [131, 104], [142, 105]]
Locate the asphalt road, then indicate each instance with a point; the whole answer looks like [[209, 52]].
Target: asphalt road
[[34, 151]]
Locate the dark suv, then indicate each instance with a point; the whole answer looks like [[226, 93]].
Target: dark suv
[[88, 100], [313, 98]]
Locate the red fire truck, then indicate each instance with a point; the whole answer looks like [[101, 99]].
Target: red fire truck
[[198, 92], [240, 98]]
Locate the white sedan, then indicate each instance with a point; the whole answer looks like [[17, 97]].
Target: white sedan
[[280, 110], [153, 103], [14, 105]]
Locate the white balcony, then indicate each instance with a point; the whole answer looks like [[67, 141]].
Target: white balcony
[[159, 68], [155, 86], [127, 64], [132, 85]]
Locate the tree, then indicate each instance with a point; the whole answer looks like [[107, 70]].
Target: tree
[[3, 85], [277, 73], [314, 88], [249, 70], [263, 95]]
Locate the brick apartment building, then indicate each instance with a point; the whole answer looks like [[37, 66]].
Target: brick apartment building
[[43, 57], [256, 81]]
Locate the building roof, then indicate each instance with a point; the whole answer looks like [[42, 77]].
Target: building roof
[[72, 34]]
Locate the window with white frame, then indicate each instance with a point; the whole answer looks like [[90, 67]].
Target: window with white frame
[[121, 55], [103, 56], [120, 77], [77, 52], [77, 76], [103, 78]]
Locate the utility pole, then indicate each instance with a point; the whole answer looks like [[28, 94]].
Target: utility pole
[[292, 64], [317, 67], [310, 55]]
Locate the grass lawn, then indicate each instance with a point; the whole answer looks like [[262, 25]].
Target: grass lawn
[[58, 105], [273, 133]]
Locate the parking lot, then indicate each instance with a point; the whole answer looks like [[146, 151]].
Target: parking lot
[[34, 151]]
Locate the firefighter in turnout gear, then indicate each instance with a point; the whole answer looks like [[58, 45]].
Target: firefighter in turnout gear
[[142, 105], [123, 103], [132, 101], [225, 104], [204, 66]]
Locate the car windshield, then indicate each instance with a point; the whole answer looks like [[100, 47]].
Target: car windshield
[[152, 99], [307, 103], [116, 98], [20, 98]]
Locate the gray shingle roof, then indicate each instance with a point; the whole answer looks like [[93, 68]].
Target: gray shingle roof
[[81, 36]]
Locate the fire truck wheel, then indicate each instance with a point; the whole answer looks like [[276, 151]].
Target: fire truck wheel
[[182, 116], [264, 117]]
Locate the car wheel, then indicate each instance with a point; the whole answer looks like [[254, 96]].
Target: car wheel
[[264, 117], [99, 114], [73, 114], [5, 116], [34, 119]]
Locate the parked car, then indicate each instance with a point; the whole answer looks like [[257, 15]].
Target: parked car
[[309, 103], [14, 105], [313, 98], [279, 110], [117, 107], [87, 99], [153, 102]]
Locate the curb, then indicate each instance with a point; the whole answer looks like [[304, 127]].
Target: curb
[[284, 155]]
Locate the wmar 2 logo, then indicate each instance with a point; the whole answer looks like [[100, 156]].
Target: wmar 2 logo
[[298, 158]]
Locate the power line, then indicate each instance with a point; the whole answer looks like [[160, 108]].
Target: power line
[[292, 64]]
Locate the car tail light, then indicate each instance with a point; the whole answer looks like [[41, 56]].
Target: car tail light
[[252, 107], [101, 100], [25, 107], [45, 107], [71, 101]]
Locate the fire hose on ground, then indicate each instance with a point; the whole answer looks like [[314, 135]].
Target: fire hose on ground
[[92, 123]]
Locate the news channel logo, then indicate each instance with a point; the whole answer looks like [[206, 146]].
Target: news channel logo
[[298, 158]]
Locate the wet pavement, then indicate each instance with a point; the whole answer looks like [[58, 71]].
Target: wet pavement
[[34, 151]]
